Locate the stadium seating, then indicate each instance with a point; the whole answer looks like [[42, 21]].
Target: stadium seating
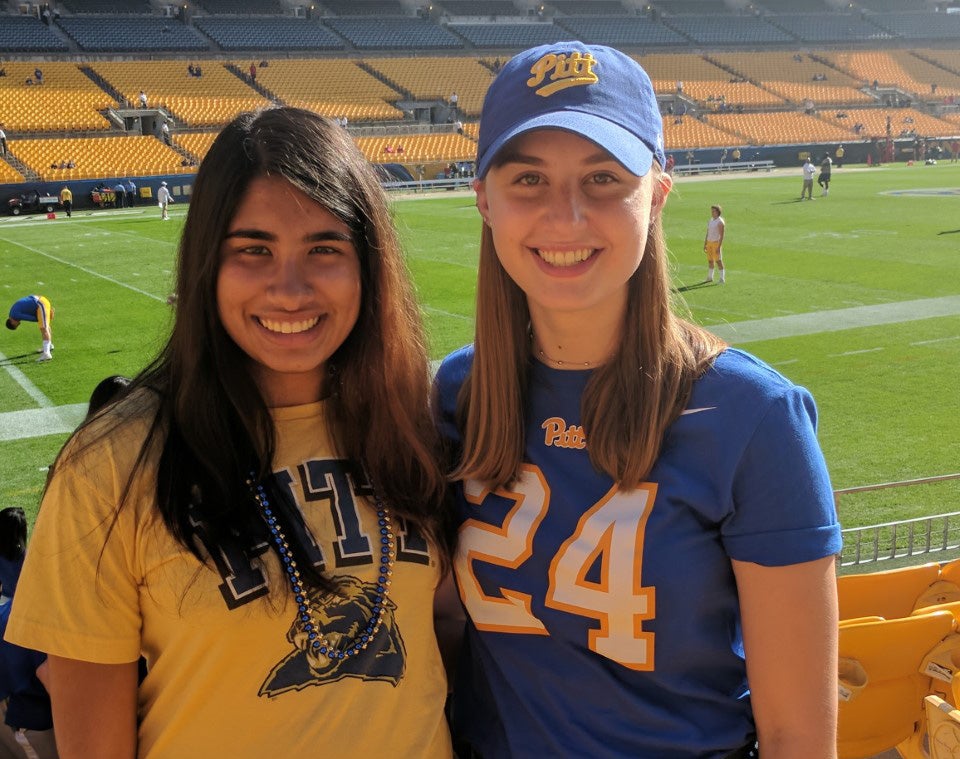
[[514, 36], [903, 122], [67, 100], [213, 98], [795, 77], [98, 157], [138, 34], [428, 79], [420, 148], [889, 594], [333, 87], [245, 7], [692, 131], [597, 7], [779, 128], [9, 175], [831, 27], [196, 143], [268, 34], [943, 728], [107, 6], [619, 30], [920, 25], [882, 692], [713, 30], [480, 8], [896, 68], [27, 34], [394, 34], [365, 7]]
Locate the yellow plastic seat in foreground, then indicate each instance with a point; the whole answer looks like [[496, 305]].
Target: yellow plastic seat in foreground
[[881, 684]]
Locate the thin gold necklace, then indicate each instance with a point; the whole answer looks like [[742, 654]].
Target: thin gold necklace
[[558, 362]]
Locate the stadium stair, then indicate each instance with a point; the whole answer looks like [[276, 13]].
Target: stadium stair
[[245, 78], [102, 83], [386, 80], [29, 174]]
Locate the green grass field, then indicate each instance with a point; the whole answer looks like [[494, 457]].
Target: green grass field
[[856, 296]]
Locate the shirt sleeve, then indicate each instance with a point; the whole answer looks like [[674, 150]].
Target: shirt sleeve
[[78, 595], [783, 508]]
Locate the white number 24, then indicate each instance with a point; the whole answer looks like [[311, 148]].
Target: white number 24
[[609, 534]]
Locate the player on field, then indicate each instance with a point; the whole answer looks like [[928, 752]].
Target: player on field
[[646, 524], [35, 308], [258, 514], [713, 243], [164, 199]]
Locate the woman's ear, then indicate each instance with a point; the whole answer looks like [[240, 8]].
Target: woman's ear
[[661, 189], [480, 188]]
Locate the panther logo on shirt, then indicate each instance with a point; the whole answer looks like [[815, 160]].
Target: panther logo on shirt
[[341, 616]]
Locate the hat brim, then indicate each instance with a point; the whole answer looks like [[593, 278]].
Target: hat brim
[[626, 148]]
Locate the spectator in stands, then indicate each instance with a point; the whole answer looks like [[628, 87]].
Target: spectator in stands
[[808, 171], [142, 99], [131, 193], [66, 200], [253, 71], [824, 179], [839, 154], [661, 490], [458, 125], [38, 75], [735, 155], [27, 729], [35, 308], [165, 131], [713, 244], [3, 141], [954, 151], [191, 71], [264, 64], [296, 349], [164, 199], [454, 101], [120, 192]]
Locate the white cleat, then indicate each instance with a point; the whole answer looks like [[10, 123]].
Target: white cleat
[[44, 357]]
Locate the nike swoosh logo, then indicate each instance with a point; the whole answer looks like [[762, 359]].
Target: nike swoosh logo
[[696, 410]]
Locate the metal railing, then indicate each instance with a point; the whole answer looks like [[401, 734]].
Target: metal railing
[[893, 541]]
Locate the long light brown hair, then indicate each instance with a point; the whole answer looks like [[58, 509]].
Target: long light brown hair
[[628, 403]]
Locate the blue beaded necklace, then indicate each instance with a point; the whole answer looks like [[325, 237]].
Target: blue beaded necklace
[[320, 643]]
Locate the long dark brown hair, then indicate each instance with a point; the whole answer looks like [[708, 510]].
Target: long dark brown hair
[[212, 425]]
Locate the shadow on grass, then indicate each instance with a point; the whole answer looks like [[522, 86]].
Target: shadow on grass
[[697, 286], [23, 358]]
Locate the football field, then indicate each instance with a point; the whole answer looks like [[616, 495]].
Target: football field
[[855, 295]]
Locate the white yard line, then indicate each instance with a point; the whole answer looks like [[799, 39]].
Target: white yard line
[[85, 270]]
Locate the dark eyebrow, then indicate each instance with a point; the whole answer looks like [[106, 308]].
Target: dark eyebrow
[[259, 234]]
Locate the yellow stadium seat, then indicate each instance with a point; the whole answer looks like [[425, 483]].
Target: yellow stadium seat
[[943, 728], [880, 683], [889, 594]]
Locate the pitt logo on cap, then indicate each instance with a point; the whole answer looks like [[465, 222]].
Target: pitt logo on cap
[[563, 71]]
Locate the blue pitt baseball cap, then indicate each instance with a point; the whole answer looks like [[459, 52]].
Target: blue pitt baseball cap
[[591, 90]]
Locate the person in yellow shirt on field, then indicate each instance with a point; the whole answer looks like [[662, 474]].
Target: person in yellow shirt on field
[[66, 200], [713, 244]]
